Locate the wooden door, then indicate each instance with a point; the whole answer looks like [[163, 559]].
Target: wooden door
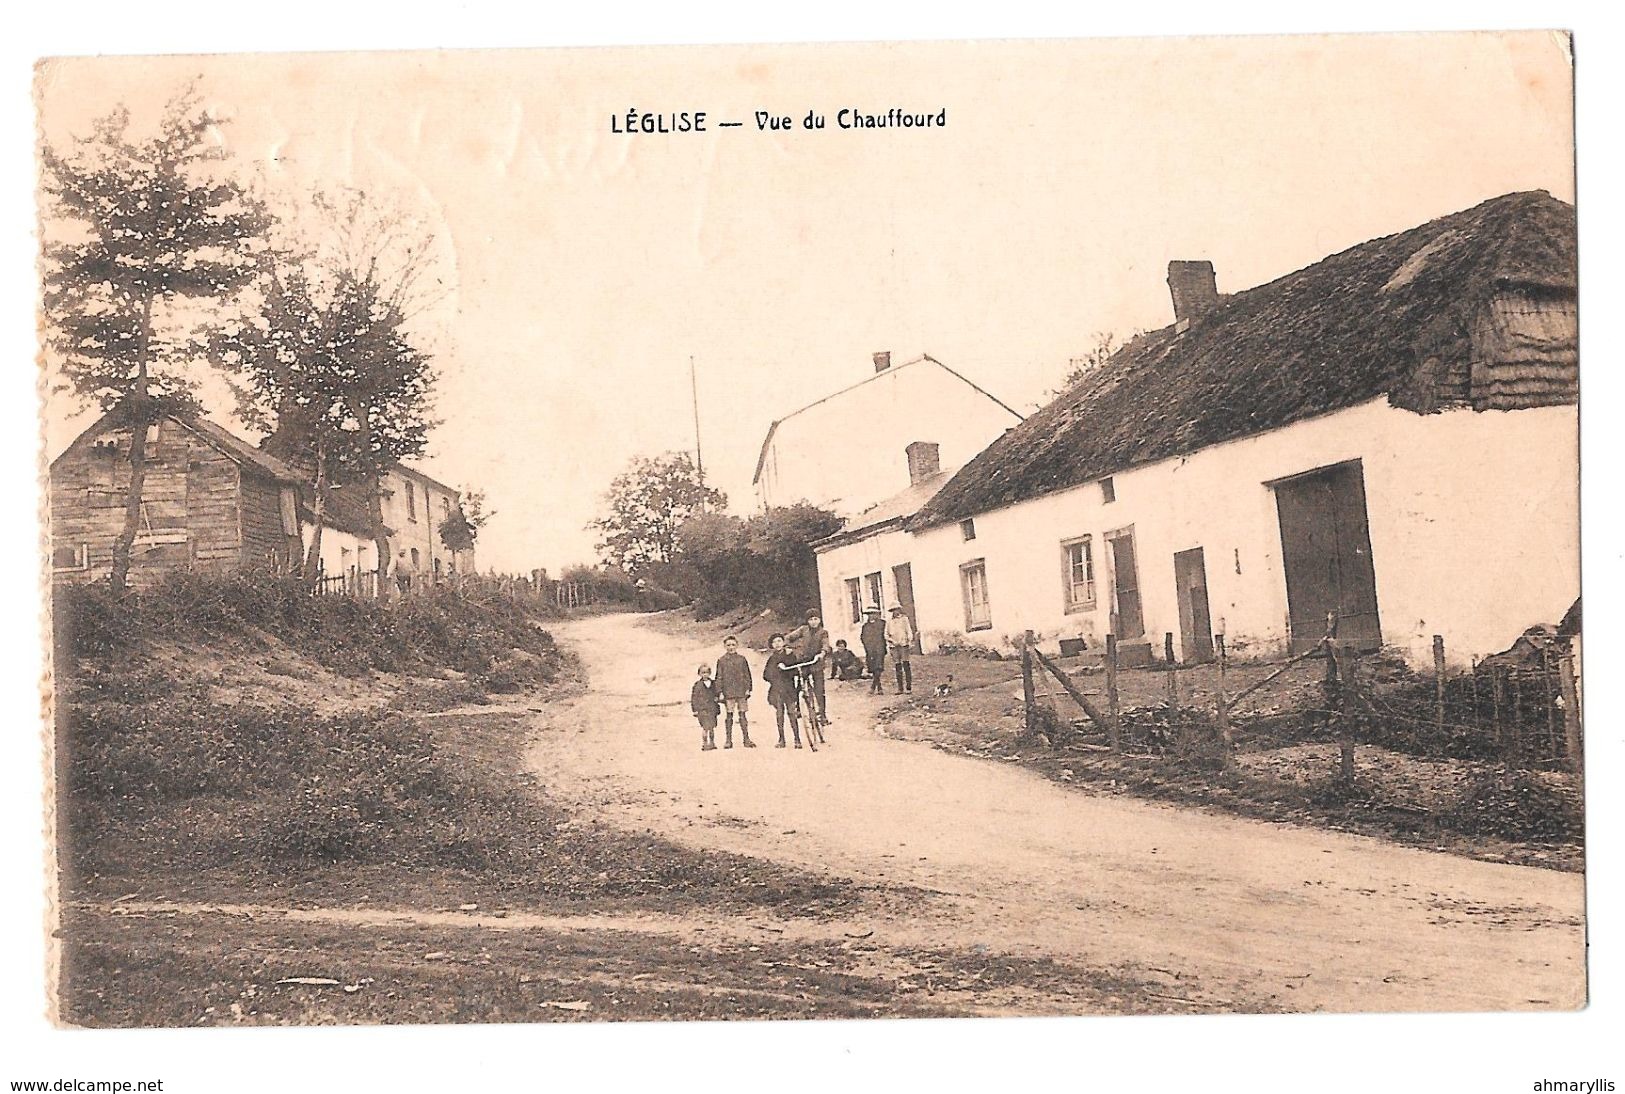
[[1126, 585], [902, 579], [1326, 552], [1195, 623]]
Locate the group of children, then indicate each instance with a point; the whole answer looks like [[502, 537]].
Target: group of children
[[724, 692]]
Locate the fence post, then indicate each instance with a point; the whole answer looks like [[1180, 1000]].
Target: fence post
[[1335, 705], [1548, 695], [1173, 670], [1027, 700], [1472, 681], [1224, 701], [1116, 732], [1438, 682], [1495, 708], [1572, 743], [1517, 712]]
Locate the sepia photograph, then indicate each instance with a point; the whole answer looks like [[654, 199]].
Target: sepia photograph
[[908, 530]]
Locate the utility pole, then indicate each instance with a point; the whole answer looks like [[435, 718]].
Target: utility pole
[[699, 455]]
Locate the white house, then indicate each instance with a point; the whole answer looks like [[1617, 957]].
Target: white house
[[810, 454], [1390, 434], [869, 562]]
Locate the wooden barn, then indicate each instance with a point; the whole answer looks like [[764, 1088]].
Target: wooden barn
[[210, 501]]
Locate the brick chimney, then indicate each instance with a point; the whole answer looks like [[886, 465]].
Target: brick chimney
[[924, 460], [883, 361], [1194, 288]]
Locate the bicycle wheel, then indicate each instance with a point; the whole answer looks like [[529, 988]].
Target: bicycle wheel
[[815, 731]]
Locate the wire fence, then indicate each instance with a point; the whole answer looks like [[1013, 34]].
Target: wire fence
[[1520, 708]]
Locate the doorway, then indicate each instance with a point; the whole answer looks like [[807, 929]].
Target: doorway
[[902, 578], [1195, 622], [1129, 618], [1326, 552]]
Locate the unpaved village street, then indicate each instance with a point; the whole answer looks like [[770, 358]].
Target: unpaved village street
[[1251, 912]]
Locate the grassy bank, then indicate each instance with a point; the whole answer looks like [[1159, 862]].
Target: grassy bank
[[223, 739]]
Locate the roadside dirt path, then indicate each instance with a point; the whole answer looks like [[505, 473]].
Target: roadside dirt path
[[1295, 918]]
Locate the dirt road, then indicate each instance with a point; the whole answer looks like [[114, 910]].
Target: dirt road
[[1254, 912]]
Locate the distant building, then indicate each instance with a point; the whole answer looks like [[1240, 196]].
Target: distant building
[[212, 501], [841, 452], [1390, 434]]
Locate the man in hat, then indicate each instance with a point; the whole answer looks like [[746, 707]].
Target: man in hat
[[810, 642], [900, 641], [873, 636]]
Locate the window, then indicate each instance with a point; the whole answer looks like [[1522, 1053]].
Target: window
[[414, 558], [874, 590], [1078, 565], [854, 599], [411, 501], [967, 528], [973, 582], [70, 558], [1108, 491]]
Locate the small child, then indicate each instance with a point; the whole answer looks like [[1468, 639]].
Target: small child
[[844, 664], [702, 699]]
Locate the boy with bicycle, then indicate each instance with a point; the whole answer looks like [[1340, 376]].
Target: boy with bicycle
[[780, 673]]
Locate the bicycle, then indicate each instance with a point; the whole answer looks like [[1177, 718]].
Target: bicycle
[[807, 699]]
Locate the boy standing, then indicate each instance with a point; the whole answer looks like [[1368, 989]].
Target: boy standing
[[702, 700], [808, 643], [734, 684], [781, 688], [873, 637], [900, 639]]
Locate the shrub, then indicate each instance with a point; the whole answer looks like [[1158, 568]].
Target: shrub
[[1518, 805], [436, 629]]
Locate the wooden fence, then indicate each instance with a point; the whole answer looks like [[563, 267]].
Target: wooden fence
[[1523, 709]]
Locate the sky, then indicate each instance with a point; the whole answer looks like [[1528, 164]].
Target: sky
[[589, 266]]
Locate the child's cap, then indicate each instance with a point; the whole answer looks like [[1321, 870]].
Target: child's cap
[[813, 615]]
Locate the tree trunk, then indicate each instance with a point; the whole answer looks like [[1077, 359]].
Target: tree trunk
[[318, 505], [138, 407]]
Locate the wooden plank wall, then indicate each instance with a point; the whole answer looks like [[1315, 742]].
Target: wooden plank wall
[[190, 503]]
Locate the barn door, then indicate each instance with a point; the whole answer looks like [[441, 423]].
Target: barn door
[[1326, 551], [1195, 623], [902, 579], [1126, 585]]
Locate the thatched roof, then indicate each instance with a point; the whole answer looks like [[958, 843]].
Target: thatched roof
[[1475, 308]]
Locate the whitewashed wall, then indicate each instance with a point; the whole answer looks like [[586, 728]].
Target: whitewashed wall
[[877, 553], [334, 545], [846, 454], [1474, 520]]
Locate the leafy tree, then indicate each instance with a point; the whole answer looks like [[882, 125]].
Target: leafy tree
[[292, 382], [765, 561], [647, 504], [461, 527], [141, 230]]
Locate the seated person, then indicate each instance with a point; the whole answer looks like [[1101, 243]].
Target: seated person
[[844, 664]]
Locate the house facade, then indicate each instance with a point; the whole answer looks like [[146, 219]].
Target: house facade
[[210, 501], [798, 462], [414, 507], [869, 563], [1390, 435]]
